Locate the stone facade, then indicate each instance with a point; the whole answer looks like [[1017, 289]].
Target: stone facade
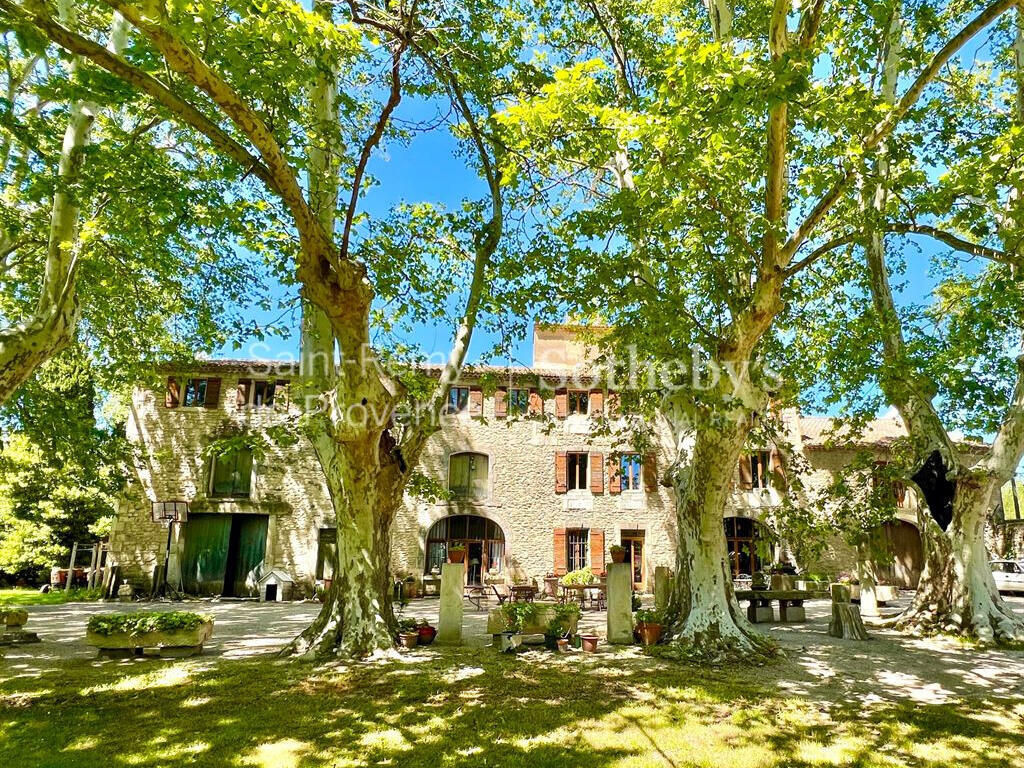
[[521, 490]]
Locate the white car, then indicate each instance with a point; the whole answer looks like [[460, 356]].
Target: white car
[[1008, 575]]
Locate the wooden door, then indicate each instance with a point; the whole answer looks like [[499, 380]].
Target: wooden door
[[634, 546], [204, 559]]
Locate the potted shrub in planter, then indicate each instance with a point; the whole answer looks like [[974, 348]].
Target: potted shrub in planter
[[618, 553], [427, 632], [759, 580], [457, 553], [166, 633], [408, 633], [649, 626], [560, 625]]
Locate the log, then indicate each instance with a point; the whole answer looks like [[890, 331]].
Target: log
[[846, 622]]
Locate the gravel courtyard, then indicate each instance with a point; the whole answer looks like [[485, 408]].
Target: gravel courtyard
[[888, 667]]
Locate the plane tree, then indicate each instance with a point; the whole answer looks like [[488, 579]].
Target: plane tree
[[301, 100], [701, 154]]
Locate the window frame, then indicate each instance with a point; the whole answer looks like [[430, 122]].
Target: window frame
[[193, 383], [760, 481], [236, 492], [582, 462], [461, 404], [574, 398], [631, 472], [577, 548], [512, 408], [471, 496]]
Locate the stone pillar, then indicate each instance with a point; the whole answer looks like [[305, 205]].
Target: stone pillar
[[620, 603], [449, 623], [662, 587]]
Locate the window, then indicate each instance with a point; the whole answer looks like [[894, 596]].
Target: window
[[630, 471], [760, 462], [579, 402], [195, 393], [458, 400], [263, 394], [326, 551], [577, 542], [576, 474], [741, 541], [518, 402], [468, 475], [231, 474]]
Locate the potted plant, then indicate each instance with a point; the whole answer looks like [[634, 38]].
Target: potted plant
[[759, 580], [426, 631], [560, 625], [408, 633], [589, 643], [168, 633], [649, 626], [457, 553], [618, 553], [409, 587], [515, 616]]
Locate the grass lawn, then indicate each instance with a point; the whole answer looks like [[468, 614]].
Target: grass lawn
[[475, 707], [23, 596]]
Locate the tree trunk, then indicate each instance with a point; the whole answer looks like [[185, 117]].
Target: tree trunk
[[704, 613], [357, 619], [957, 592]]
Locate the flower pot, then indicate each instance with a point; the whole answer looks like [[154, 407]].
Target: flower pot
[[589, 643], [457, 555], [650, 634], [510, 641], [426, 634], [409, 590], [618, 556], [408, 639], [563, 645]]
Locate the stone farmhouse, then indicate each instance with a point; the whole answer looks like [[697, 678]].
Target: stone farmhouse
[[533, 490]]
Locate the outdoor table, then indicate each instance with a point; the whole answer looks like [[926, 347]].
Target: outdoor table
[[791, 603], [581, 591], [476, 595], [523, 593]]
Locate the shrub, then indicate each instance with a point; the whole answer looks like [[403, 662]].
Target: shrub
[[148, 621], [518, 615], [407, 625], [582, 576], [647, 616], [563, 617]]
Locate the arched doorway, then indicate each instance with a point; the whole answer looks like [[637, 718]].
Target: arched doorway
[[484, 541], [904, 543], [741, 537]]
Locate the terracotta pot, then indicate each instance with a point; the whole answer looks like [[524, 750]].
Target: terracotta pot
[[426, 634], [650, 634], [590, 643], [408, 639], [457, 555], [618, 556], [563, 645]]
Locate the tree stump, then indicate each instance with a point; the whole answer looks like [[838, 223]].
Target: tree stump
[[846, 622]]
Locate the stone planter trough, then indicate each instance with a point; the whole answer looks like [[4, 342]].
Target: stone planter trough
[[168, 644]]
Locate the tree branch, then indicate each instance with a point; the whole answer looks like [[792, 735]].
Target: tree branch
[[892, 119]]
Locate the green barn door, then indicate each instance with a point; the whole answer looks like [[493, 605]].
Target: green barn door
[[246, 552], [206, 553]]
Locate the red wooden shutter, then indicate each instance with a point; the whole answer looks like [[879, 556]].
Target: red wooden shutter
[[242, 393], [650, 470], [561, 465], [597, 551], [172, 398], [597, 473], [536, 403], [561, 403], [746, 473], [596, 402], [212, 400], [500, 404], [561, 553], [476, 402], [614, 475], [778, 471]]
